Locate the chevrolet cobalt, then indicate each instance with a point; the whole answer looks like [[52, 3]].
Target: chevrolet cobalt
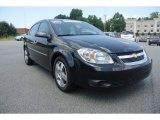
[[78, 53]]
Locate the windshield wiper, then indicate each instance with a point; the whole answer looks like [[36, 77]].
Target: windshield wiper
[[67, 35]]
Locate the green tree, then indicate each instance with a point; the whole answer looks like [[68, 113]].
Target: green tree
[[108, 24], [149, 33], [146, 18], [154, 15], [142, 34], [139, 18], [117, 23], [60, 16], [12, 29], [97, 22], [84, 19], [76, 14], [6, 29]]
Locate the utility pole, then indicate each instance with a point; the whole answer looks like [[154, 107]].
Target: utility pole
[[105, 16]]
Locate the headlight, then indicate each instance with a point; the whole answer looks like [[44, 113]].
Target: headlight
[[95, 56]]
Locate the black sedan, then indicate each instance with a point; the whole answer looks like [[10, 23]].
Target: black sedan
[[154, 40], [78, 53]]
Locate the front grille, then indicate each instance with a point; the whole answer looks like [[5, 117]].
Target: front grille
[[133, 57], [127, 60]]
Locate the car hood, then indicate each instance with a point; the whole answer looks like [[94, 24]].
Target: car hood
[[103, 42]]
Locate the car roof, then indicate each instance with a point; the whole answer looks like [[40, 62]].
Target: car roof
[[62, 20]]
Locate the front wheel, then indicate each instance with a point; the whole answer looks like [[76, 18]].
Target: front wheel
[[62, 75]]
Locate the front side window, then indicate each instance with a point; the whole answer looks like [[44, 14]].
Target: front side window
[[70, 27], [34, 29], [44, 27]]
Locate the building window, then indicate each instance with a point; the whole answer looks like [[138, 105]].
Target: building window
[[151, 25], [151, 30], [137, 31], [157, 30], [145, 25], [158, 25], [145, 30]]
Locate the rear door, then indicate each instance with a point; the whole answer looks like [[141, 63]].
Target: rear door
[[30, 40], [41, 45]]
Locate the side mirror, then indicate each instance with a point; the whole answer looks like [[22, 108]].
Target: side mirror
[[43, 34]]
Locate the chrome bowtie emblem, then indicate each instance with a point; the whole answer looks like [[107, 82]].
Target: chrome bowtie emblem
[[134, 55]]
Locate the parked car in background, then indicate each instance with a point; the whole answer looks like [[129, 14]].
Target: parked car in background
[[143, 39], [154, 40], [112, 34], [128, 35], [77, 53], [20, 37]]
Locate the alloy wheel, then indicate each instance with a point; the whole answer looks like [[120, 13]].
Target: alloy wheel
[[61, 74]]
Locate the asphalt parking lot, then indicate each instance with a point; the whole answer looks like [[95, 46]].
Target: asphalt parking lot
[[31, 89]]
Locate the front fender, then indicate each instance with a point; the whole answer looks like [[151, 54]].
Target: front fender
[[65, 53]]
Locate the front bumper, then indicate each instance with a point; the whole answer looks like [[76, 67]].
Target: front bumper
[[111, 75]]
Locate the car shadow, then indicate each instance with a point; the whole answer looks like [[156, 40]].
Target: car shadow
[[103, 94], [111, 93]]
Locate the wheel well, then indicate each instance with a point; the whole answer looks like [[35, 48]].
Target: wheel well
[[54, 57]]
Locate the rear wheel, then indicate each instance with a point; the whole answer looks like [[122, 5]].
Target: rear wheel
[[27, 59], [62, 75]]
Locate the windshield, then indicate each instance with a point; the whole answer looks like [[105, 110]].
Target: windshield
[[71, 28]]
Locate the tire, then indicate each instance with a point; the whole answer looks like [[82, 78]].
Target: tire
[[27, 59], [62, 75], [149, 43]]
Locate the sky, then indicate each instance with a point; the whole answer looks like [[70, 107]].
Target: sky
[[27, 16]]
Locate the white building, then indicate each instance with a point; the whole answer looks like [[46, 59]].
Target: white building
[[143, 26]]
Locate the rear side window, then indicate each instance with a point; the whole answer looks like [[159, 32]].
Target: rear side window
[[44, 27], [34, 29]]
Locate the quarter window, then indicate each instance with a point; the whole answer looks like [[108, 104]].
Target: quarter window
[[34, 29]]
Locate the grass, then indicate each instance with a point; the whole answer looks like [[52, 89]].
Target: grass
[[9, 38]]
